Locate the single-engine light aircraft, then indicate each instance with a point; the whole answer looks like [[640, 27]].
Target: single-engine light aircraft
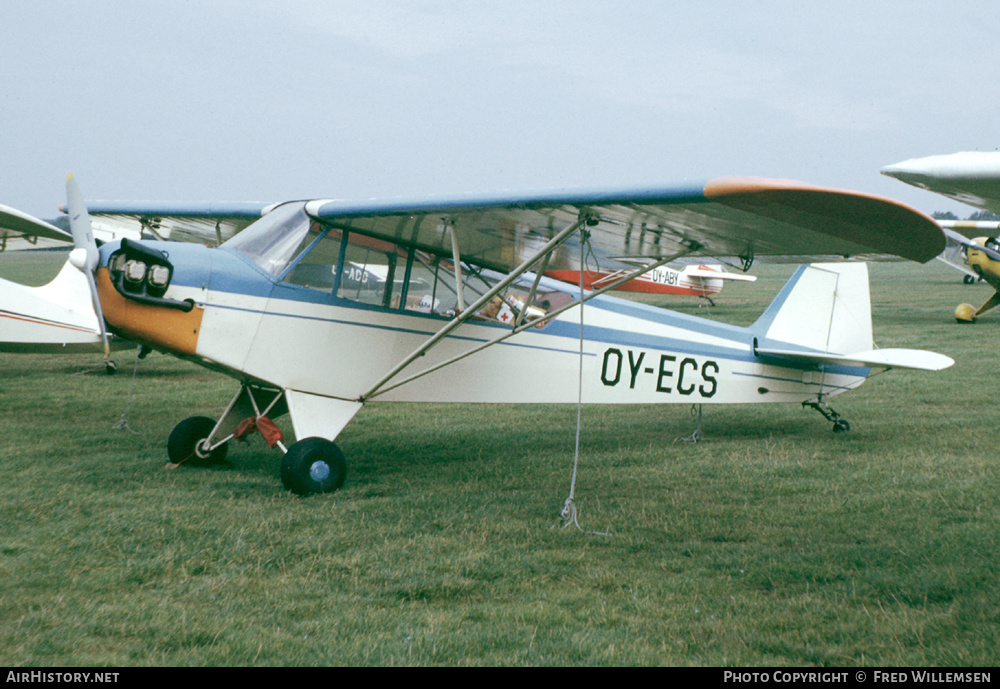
[[694, 280], [981, 256], [973, 178], [320, 307]]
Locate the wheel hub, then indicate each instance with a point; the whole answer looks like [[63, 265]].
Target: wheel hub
[[319, 471]]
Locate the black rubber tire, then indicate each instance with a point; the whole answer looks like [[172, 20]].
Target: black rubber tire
[[313, 465], [184, 440]]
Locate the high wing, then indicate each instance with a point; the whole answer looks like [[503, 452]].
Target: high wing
[[741, 217], [730, 216], [15, 224], [206, 223], [969, 177]]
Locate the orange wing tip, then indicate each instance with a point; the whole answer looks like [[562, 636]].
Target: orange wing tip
[[730, 186], [868, 220]]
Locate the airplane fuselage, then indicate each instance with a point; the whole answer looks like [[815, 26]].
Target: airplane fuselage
[[255, 327]]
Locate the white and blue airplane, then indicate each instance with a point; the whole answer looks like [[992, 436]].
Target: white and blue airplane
[[320, 307]]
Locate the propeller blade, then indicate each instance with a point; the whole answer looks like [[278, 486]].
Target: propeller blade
[[966, 242], [83, 241], [79, 222]]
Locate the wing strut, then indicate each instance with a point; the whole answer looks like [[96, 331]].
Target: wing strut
[[468, 313], [521, 326], [457, 260]]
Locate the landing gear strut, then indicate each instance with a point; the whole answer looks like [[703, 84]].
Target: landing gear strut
[[840, 425], [312, 465]]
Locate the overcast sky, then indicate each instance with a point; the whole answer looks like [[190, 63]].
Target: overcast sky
[[255, 100]]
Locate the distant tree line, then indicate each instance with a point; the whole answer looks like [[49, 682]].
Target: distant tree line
[[978, 215]]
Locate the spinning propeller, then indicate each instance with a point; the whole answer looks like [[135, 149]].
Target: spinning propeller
[[967, 243]]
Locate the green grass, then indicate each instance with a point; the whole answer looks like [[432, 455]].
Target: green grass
[[773, 542]]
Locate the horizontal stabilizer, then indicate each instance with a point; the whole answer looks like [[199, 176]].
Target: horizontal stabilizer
[[710, 274], [875, 358]]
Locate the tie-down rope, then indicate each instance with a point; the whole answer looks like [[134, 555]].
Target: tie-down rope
[[122, 424], [569, 510]]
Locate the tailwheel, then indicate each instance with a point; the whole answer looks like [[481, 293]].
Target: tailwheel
[[188, 442], [313, 465], [840, 424]]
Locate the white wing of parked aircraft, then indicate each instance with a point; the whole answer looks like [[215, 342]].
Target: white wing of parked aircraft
[[970, 177], [207, 223], [16, 225]]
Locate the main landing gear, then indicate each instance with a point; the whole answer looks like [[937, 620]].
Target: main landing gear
[[309, 466], [840, 425]]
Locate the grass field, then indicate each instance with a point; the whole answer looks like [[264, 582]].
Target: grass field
[[773, 542]]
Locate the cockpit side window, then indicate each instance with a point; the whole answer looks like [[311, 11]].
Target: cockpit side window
[[430, 287], [369, 268], [317, 268], [348, 265]]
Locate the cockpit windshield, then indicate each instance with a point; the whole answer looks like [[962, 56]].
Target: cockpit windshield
[[273, 241]]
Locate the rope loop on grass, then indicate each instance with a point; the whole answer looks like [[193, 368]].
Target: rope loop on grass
[[568, 514]]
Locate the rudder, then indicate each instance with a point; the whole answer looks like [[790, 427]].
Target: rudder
[[824, 307]]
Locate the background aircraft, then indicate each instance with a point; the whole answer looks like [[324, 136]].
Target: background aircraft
[[464, 315], [972, 178], [694, 280], [57, 317]]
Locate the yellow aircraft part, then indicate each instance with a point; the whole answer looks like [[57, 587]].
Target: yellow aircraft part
[[985, 266], [965, 313], [172, 329], [988, 270]]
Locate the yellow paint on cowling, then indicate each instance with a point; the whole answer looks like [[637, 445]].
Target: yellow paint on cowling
[[164, 328], [988, 270]]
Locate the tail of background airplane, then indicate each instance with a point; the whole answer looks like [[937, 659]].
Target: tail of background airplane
[[56, 317]]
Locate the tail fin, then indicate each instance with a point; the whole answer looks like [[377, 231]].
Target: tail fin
[[824, 307]]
